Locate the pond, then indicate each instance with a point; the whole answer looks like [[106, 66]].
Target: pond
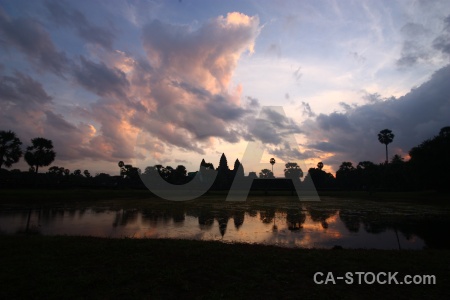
[[325, 224]]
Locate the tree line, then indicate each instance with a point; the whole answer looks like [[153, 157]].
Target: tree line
[[427, 168]]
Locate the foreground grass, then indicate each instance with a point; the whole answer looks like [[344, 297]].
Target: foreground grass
[[82, 267]]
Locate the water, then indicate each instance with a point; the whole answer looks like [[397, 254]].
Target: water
[[291, 225]]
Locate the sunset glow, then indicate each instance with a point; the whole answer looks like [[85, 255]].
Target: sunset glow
[[190, 76]]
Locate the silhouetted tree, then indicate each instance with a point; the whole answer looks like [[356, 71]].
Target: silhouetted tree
[[346, 176], [396, 175], [424, 158], [265, 174], [367, 175], [293, 170], [320, 178], [77, 173], [130, 172], [55, 170], [272, 162], [40, 153], [87, 174], [10, 151], [386, 137], [178, 175], [165, 172], [320, 165]]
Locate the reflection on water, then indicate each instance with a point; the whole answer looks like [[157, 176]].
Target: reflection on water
[[298, 226]]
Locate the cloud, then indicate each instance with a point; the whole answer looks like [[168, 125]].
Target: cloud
[[442, 42], [307, 111], [25, 104], [180, 95], [412, 53], [357, 57], [414, 117], [63, 15], [101, 80], [298, 74], [276, 131], [186, 87], [205, 56], [21, 89], [420, 46], [30, 37]]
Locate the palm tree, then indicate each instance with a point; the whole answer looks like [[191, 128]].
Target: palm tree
[[40, 153], [10, 151], [272, 162], [386, 137]]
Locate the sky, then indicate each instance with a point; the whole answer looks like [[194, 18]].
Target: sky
[[173, 82]]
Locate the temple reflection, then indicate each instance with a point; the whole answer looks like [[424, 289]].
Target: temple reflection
[[304, 225]]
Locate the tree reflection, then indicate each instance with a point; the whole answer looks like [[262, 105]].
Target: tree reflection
[[321, 216], [295, 219], [351, 220], [125, 217], [205, 219], [267, 215]]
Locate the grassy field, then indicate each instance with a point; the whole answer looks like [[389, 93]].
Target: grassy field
[[81, 267]]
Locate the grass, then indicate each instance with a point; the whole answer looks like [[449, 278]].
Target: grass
[[83, 267]]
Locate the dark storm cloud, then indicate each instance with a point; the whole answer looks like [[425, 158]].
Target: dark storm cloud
[[100, 79], [333, 121], [22, 90], [413, 118], [62, 14], [327, 147], [30, 37]]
